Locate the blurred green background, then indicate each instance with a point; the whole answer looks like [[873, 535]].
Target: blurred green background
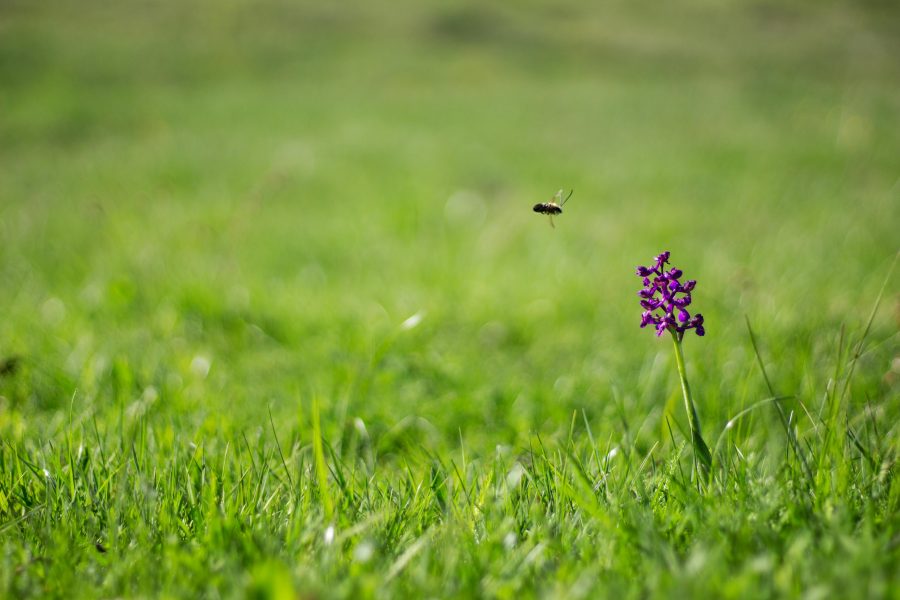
[[210, 209]]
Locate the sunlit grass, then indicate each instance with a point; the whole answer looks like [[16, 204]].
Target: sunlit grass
[[276, 316]]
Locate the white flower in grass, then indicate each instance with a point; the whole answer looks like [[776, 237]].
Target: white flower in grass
[[413, 321], [363, 552], [200, 366], [510, 540]]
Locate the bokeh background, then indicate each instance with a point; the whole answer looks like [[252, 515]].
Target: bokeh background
[[210, 210]]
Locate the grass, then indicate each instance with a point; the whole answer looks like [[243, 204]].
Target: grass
[[277, 320]]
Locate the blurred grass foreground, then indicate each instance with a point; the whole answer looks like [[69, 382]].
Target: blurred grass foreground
[[277, 320]]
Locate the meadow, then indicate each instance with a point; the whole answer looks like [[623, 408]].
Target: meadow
[[277, 319]]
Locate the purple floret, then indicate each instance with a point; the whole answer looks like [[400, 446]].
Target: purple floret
[[664, 292]]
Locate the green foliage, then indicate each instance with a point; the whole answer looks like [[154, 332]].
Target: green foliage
[[277, 321]]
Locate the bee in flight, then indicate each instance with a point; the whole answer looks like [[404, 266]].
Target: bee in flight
[[553, 207]]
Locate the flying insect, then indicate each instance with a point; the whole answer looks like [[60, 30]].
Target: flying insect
[[554, 206]]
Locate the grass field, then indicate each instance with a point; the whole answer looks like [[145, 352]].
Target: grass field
[[277, 320]]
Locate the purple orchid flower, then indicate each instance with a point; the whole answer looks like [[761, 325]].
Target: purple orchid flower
[[664, 292]]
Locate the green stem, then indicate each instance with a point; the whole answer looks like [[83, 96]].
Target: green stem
[[702, 456]]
